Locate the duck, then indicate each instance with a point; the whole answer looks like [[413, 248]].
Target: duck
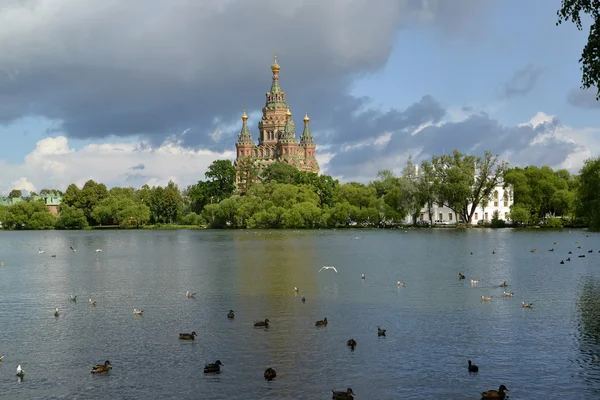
[[555, 242], [101, 368], [322, 322], [461, 276], [98, 250], [230, 314], [188, 336], [380, 332], [56, 313], [53, 256], [296, 289], [400, 283], [581, 256], [270, 374], [493, 251], [1, 358], [568, 259], [504, 284], [20, 372], [562, 261], [351, 343], [526, 305], [347, 395], [73, 297], [362, 276], [551, 250], [495, 394], [213, 368], [532, 251], [137, 312], [92, 302], [71, 247], [474, 282], [507, 294], [570, 252], [264, 323], [472, 367], [303, 299], [486, 298], [190, 294], [590, 251]]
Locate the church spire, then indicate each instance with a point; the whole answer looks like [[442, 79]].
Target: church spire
[[275, 68], [289, 132], [244, 135], [306, 135]]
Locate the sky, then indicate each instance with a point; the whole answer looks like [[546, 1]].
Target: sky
[[147, 91]]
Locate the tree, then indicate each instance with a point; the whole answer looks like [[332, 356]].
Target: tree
[[428, 187], [281, 173], [71, 196], [590, 57], [172, 202], [221, 174], [15, 193], [248, 173], [465, 180], [71, 218], [589, 187]]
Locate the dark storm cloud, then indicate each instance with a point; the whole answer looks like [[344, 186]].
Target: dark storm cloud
[[521, 83], [584, 98], [157, 68], [474, 135]]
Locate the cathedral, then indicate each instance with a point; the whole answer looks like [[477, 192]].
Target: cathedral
[[276, 135]]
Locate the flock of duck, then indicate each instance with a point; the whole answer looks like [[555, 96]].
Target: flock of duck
[[270, 373]]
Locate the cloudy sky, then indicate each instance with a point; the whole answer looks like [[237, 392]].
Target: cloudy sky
[[143, 91]]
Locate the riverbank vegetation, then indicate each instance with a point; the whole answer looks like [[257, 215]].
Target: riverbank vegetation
[[288, 198]]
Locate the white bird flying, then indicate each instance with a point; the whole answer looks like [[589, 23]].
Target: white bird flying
[[40, 251], [326, 267], [71, 247]]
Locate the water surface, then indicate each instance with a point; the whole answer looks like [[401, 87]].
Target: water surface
[[434, 324]]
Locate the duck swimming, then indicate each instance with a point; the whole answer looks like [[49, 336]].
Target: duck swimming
[[270, 374], [362, 276], [190, 295], [504, 284], [187, 336], [461, 276], [472, 367], [138, 312], [213, 368], [101, 368], [347, 395], [400, 283], [351, 343], [92, 302], [506, 294], [380, 332], [495, 394], [230, 314], [303, 299], [526, 305], [486, 298], [20, 372], [264, 323], [73, 298], [56, 313], [323, 322]]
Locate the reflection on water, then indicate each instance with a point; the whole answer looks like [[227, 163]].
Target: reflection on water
[[589, 332]]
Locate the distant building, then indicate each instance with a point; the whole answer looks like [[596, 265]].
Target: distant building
[[501, 200], [52, 201], [276, 135]]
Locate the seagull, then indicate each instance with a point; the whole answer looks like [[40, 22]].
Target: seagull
[[98, 250], [56, 313], [92, 302], [506, 294], [400, 283], [326, 267], [71, 247], [190, 294], [40, 251], [20, 372], [474, 282], [526, 305], [1, 357], [137, 312]]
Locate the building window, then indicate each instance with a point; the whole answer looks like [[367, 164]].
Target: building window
[[485, 216], [422, 217], [495, 198], [505, 199], [450, 216], [441, 217], [476, 216]]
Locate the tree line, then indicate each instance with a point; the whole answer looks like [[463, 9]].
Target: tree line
[[284, 197]]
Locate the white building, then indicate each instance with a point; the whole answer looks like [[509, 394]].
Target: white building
[[501, 200]]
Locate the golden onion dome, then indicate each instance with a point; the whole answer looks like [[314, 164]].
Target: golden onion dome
[[288, 113], [275, 67], [245, 116], [306, 119]]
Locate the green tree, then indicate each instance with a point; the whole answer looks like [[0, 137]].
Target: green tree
[[590, 57], [281, 173], [15, 193], [71, 196], [172, 202], [71, 218], [221, 174], [248, 174], [588, 192]]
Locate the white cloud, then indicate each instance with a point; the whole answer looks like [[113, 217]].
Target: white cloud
[[54, 164]]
